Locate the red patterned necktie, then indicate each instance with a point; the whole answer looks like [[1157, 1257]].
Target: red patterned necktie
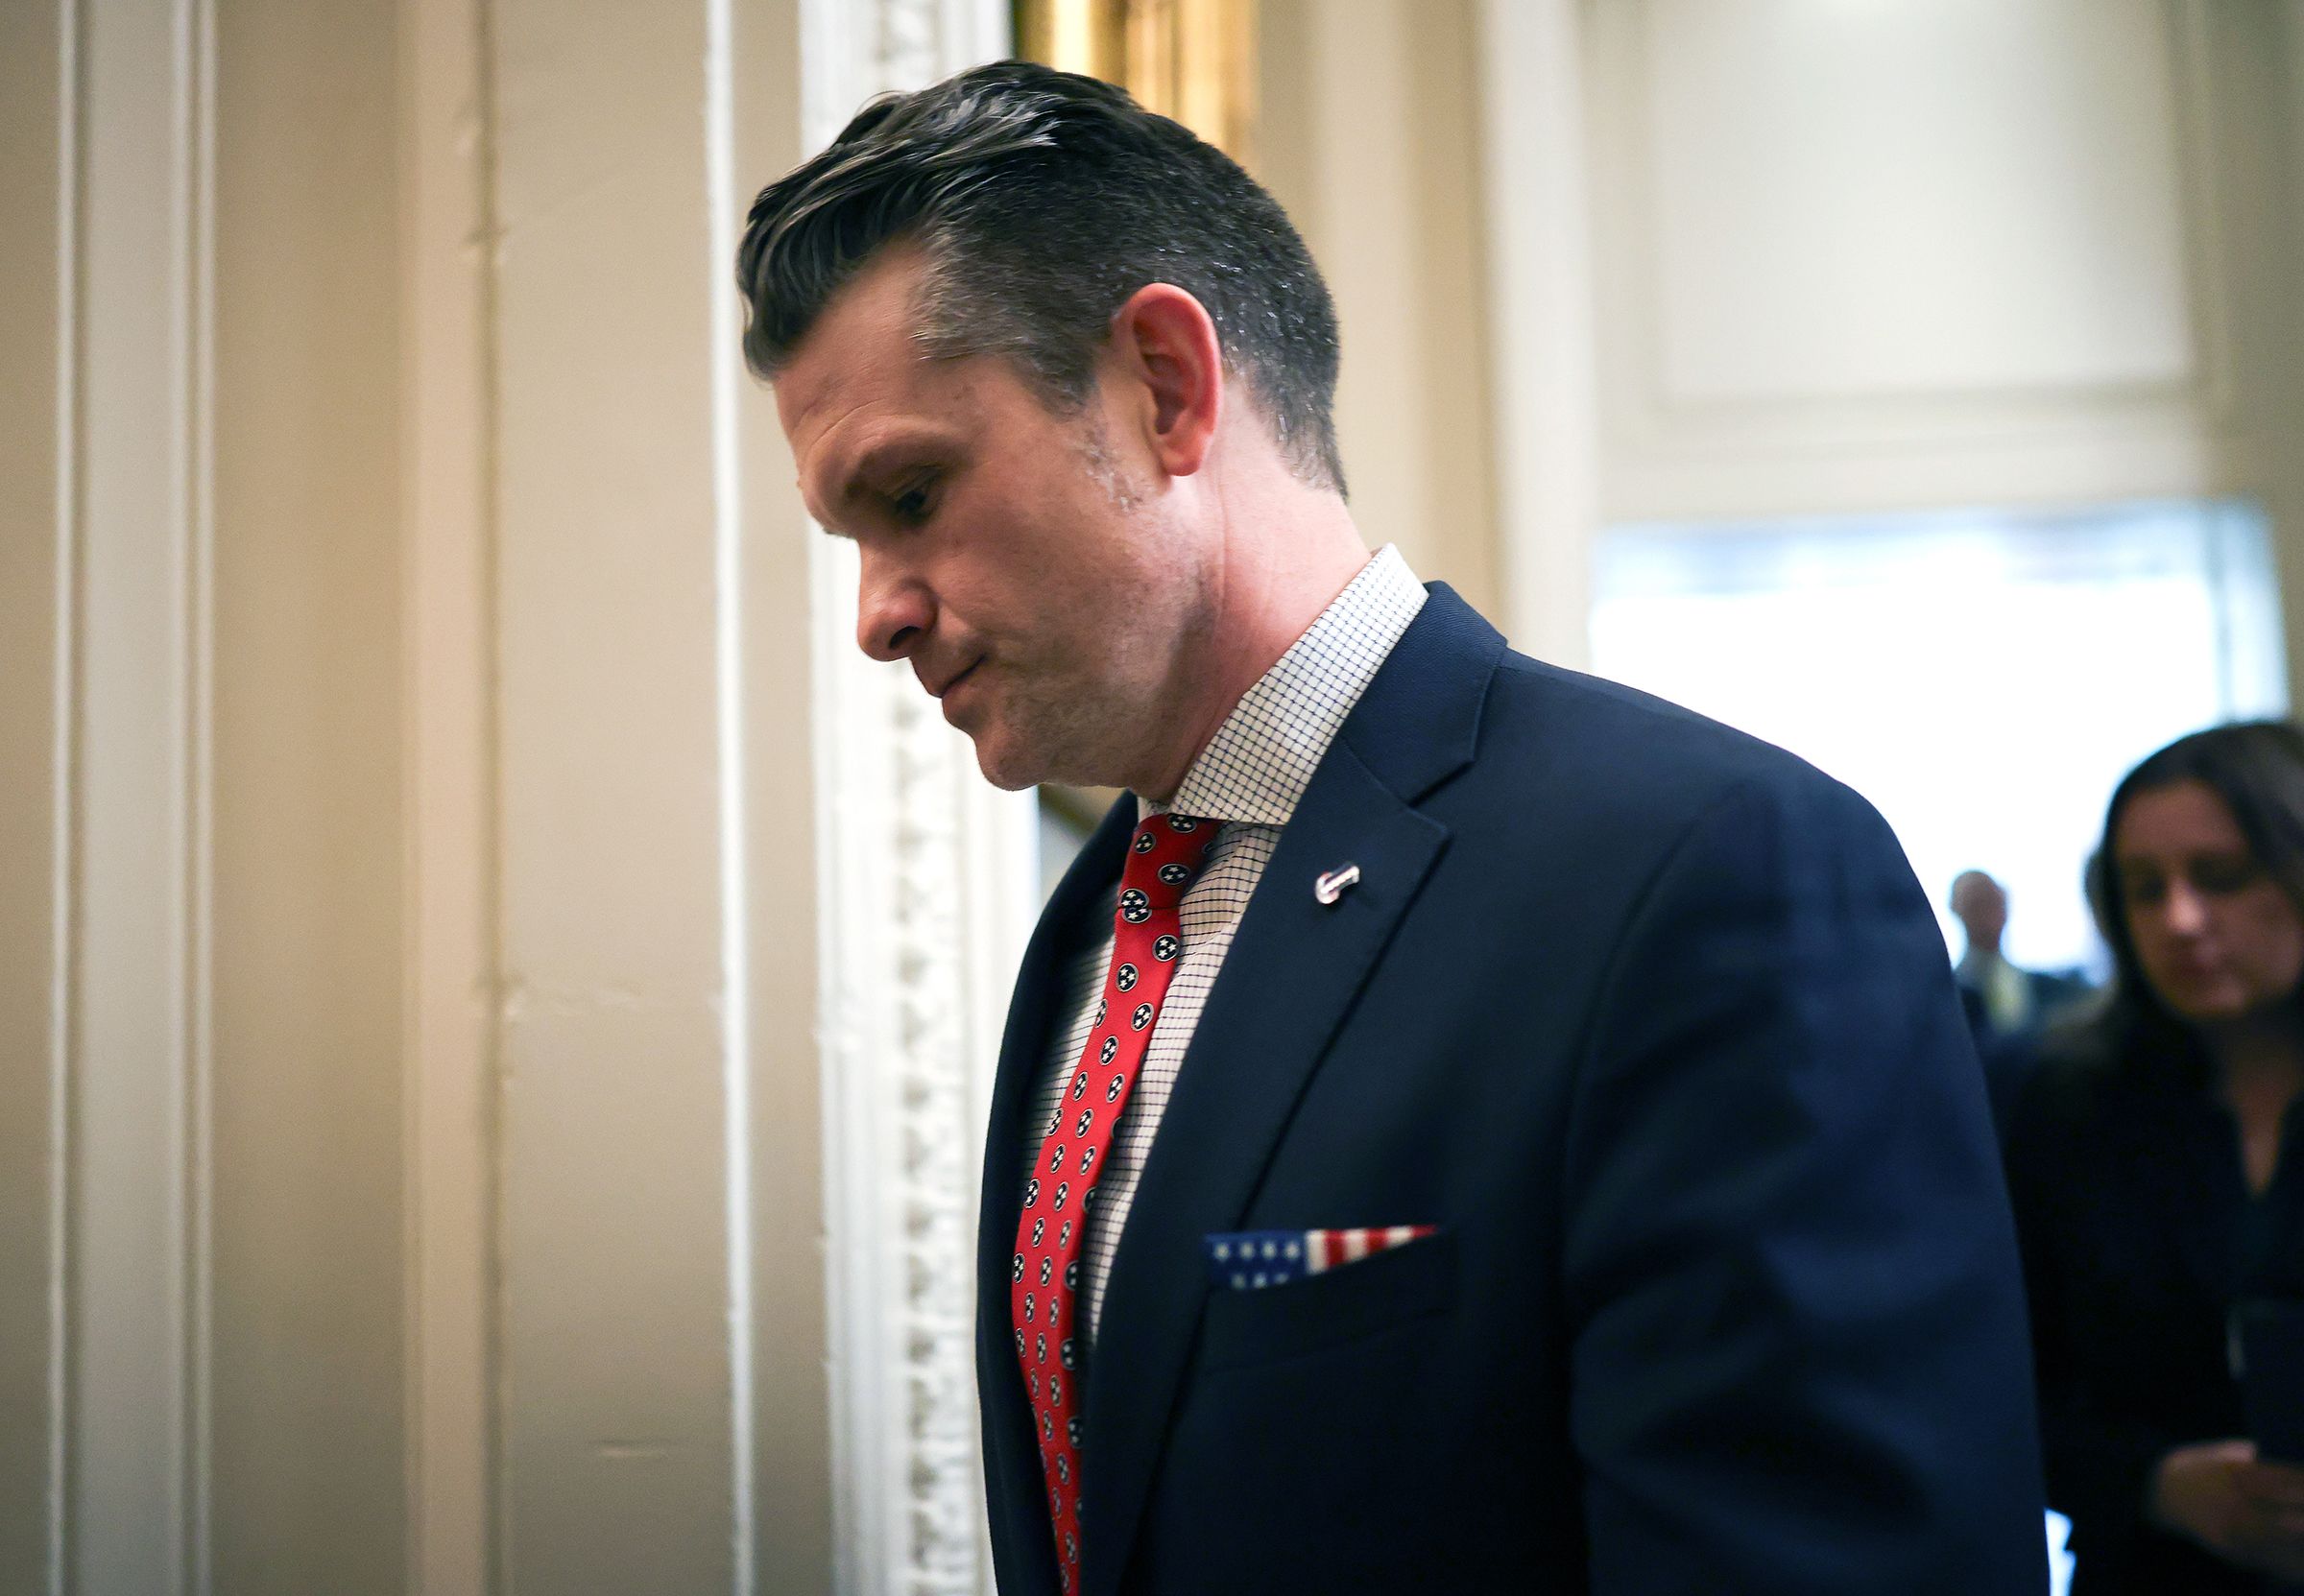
[[1161, 861]]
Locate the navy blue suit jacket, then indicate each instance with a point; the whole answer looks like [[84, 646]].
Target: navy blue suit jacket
[[1653, 1022]]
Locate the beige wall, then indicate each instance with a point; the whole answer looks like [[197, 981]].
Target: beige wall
[[622, 1404], [792, 1487], [307, 1355], [1369, 134], [617, 556], [29, 485], [228, 1276], [2282, 63], [439, 798]]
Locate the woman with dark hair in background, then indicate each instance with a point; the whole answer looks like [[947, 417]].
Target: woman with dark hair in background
[[2156, 1181]]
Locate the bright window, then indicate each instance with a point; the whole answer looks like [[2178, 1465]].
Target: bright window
[[1982, 677]]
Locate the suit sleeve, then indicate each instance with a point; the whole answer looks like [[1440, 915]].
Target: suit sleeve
[[1799, 1358]]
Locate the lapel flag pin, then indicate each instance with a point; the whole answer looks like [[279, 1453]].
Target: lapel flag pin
[[1334, 883]]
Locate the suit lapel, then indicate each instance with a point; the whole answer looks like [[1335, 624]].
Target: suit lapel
[[1290, 977]]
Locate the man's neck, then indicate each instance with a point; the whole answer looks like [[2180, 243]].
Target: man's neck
[[1268, 594]]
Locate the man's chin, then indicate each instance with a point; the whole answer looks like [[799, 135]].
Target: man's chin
[[1013, 767], [1006, 767], [1017, 752], [1006, 780]]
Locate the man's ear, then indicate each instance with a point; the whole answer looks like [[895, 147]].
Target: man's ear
[[1169, 357]]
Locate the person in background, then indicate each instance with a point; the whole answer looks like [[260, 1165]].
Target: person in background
[[2155, 1180], [2007, 1008], [2006, 1001]]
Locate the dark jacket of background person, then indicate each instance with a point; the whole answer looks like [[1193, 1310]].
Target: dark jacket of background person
[[2138, 1233], [1653, 1022]]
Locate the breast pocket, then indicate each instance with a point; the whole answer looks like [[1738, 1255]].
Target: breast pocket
[[1357, 1301]]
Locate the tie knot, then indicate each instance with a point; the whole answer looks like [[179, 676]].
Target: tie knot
[[1165, 856]]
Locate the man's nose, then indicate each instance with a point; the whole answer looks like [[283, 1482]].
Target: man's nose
[[894, 612]]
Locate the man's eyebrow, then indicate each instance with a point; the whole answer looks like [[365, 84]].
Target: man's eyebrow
[[879, 459]]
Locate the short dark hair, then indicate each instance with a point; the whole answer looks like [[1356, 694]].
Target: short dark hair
[[2257, 768], [1041, 201]]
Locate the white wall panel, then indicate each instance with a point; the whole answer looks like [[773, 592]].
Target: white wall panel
[[1966, 195], [1856, 256]]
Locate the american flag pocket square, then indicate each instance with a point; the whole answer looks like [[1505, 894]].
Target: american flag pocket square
[[1251, 1261]]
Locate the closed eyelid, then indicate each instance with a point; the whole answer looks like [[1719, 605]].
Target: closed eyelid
[[884, 465], [922, 483]]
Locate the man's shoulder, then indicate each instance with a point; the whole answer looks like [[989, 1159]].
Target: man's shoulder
[[1582, 740], [1551, 764]]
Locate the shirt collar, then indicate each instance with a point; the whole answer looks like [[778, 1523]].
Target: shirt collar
[[1262, 757]]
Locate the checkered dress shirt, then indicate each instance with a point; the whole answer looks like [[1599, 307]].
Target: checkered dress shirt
[[1250, 776]]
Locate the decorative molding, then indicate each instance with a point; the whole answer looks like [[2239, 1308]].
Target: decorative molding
[[64, 812], [2204, 203], [133, 1069], [925, 881], [728, 668]]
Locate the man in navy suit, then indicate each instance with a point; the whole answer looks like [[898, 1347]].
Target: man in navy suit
[[1462, 1126]]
